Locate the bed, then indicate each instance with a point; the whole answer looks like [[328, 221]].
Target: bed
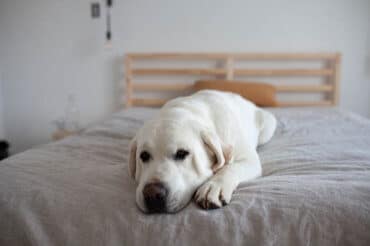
[[315, 188]]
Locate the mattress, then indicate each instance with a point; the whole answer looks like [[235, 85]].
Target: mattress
[[315, 189]]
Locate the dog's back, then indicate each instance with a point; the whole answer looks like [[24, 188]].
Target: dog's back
[[236, 120]]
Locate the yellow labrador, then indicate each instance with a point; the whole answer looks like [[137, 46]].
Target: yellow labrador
[[203, 144]]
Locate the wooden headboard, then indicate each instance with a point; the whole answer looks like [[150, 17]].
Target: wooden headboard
[[230, 66]]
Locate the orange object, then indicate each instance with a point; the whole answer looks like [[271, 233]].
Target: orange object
[[261, 94]]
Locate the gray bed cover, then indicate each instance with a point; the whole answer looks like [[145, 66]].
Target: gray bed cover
[[315, 190]]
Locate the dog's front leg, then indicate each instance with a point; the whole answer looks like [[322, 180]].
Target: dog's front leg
[[217, 191]]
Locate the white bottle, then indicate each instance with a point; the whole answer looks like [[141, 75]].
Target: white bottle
[[72, 115]]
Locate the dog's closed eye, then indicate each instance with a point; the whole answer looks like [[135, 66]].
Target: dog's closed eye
[[181, 154], [145, 156]]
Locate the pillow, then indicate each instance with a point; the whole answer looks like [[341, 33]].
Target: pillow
[[259, 93]]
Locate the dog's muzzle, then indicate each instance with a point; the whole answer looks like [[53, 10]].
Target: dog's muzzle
[[155, 197]]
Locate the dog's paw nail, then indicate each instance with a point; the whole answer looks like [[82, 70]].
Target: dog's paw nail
[[201, 203], [208, 205], [223, 202], [212, 205]]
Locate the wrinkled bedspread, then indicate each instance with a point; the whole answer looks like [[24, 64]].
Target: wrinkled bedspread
[[315, 190]]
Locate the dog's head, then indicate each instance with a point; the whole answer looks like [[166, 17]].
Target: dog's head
[[169, 160]]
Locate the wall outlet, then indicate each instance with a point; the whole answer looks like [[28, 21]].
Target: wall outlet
[[95, 10]]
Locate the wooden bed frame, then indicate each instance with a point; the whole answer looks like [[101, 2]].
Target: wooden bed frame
[[329, 71]]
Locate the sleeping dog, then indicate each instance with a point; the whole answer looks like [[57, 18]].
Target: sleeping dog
[[199, 146]]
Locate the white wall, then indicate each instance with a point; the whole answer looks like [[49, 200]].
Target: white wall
[[50, 48], [2, 129]]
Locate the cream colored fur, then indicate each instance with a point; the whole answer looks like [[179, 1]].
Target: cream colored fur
[[220, 130]]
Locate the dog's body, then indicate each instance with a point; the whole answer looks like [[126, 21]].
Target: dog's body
[[205, 143]]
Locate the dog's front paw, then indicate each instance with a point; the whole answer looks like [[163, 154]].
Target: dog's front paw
[[213, 194]]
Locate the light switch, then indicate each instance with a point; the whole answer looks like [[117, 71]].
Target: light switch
[[95, 10]]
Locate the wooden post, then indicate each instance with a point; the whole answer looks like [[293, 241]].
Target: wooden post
[[128, 79], [229, 68], [336, 78]]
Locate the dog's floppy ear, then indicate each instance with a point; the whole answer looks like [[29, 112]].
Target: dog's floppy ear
[[222, 152], [132, 160]]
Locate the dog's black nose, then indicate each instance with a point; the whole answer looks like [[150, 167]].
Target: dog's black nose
[[155, 196]]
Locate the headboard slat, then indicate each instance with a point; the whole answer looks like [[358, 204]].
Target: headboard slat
[[239, 56], [304, 104], [304, 88], [283, 72], [162, 86], [178, 71]]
